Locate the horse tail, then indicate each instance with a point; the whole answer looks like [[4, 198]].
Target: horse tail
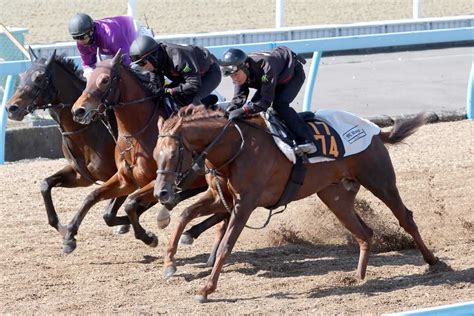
[[404, 128]]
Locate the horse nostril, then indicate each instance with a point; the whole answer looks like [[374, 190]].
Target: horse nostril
[[13, 108], [163, 195], [79, 112]]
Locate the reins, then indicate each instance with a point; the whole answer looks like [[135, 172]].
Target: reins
[[215, 171]]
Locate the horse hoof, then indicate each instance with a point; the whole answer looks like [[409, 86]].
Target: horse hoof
[[439, 266], [121, 229], [163, 218], [154, 241], [186, 239], [200, 299], [169, 271], [69, 246]]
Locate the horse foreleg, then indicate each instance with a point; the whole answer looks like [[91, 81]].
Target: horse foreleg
[[220, 231], [121, 223], [236, 224], [65, 177], [112, 188], [194, 232], [206, 205], [343, 208], [138, 203]]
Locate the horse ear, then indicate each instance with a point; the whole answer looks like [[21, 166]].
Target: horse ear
[[51, 58], [117, 58], [161, 121], [99, 56], [33, 56]]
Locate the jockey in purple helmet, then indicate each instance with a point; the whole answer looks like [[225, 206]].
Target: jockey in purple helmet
[[107, 34]]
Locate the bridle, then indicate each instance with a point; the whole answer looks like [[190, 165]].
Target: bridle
[[45, 87], [197, 163], [104, 96], [106, 102]]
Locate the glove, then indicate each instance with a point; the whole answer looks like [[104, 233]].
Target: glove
[[235, 114], [164, 91]]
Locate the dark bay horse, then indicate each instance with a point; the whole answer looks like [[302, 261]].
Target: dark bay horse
[[116, 86], [240, 175], [54, 84]]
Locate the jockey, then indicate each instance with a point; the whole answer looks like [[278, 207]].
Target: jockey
[[277, 76], [193, 70], [107, 34]]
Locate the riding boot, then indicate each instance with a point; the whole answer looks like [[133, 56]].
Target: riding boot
[[303, 135]]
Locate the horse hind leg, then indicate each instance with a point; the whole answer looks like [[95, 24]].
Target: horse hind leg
[[380, 180], [341, 202], [392, 199]]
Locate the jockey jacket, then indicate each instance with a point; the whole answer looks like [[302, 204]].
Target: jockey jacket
[[266, 70], [110, 35], [184, 65]]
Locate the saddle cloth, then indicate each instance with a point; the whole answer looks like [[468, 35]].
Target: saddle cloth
[[337, 134]]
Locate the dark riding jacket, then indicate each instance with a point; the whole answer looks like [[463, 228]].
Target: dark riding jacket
[[184, 65], [266, 70]]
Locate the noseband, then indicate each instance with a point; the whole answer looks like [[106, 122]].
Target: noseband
[[44, 86]]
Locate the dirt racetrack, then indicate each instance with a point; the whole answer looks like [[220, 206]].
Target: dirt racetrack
[[300, 263]]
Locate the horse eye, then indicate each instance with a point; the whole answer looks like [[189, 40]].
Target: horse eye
[[103, 83], [37, 76]]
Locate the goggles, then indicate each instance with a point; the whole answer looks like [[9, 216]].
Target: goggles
[[80, 37], [230, 70], [138, 61]]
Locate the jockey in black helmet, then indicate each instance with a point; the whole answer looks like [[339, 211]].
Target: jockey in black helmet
[[278, 77], [193, 70]]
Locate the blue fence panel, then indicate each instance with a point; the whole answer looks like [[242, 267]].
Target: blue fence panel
[[461, 309], [316, 46]]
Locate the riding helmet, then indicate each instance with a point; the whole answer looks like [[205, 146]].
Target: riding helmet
[[233, 60], [80, 24], [141, 47]]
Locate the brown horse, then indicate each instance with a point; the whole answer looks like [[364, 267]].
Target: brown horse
[[116, 86], [238, 171], [54, 84]]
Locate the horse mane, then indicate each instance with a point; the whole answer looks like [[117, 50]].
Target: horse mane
[[191, 113], [69, 65], [149, 86]]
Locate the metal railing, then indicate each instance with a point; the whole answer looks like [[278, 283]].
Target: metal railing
[[315, 46]]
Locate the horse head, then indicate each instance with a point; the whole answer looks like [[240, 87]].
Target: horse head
[[183, 144], [102, 89], [35, 89], [169, 155]]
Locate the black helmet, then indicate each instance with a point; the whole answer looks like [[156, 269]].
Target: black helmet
[[141, 47], [80, 24], [233, 60]]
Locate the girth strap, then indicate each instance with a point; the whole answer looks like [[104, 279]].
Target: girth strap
[[298, 173]]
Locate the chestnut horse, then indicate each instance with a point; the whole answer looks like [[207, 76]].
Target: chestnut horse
[[55, 84], [114, 85], [240, 176]]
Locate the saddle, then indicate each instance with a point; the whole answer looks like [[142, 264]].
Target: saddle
[[336, 134]]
